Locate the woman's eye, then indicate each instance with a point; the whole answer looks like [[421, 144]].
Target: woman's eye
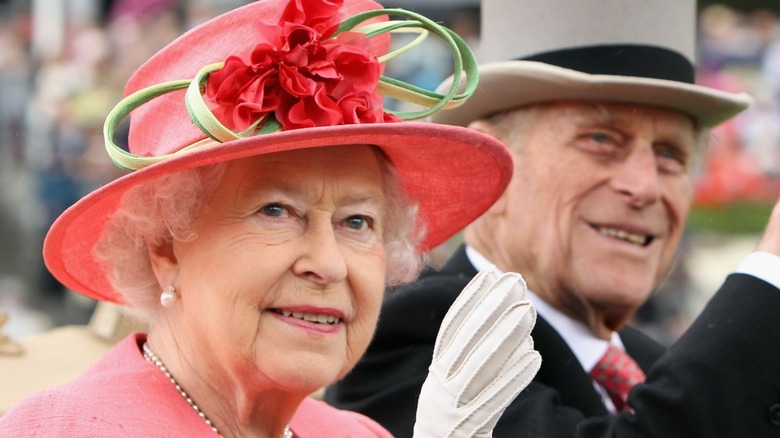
[[358, 222], [273, 210]]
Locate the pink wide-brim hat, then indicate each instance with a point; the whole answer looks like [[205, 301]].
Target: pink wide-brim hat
[[454, 174]]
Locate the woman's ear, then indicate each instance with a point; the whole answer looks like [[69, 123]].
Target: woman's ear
[[486, 127], [164, 263]]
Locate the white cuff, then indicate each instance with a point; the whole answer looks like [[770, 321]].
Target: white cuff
[[762, 265]]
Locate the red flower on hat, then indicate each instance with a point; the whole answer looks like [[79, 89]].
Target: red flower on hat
[[301, 74]]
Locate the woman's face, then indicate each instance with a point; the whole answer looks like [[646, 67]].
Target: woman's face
[[282, 286]]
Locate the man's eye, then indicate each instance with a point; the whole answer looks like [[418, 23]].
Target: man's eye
[[672, 160], [273, 210], [599, 143], [599, 137], [670, 154]]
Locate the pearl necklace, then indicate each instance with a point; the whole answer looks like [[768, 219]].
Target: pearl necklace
[[151, 357]]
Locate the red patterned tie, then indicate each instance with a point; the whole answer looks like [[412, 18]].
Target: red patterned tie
[[617, 373]]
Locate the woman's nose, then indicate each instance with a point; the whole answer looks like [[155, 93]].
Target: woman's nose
[[321, 257]]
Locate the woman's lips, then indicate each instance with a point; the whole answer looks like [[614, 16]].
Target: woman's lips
[[313, 317]]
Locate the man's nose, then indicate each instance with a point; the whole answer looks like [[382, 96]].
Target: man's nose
[[637, 178]]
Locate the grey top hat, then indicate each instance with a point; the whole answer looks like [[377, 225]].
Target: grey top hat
[[634, 51]]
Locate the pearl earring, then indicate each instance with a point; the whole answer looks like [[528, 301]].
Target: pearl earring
[[168, 297]]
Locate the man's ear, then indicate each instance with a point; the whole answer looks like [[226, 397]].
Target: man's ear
[[486, 127], [164, 263], [499, 207], [483, 126]]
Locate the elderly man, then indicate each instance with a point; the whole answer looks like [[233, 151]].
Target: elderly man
[[596, 101]]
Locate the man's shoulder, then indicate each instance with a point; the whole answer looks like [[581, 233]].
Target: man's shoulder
[[432, 286], [641, 347], [423, 301], [412, 313]]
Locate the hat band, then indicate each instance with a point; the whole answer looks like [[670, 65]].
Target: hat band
[[622, 60]]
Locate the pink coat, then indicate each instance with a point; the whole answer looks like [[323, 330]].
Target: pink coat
[[123, 395]]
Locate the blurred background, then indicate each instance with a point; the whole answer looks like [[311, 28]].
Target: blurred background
[[63, 64]]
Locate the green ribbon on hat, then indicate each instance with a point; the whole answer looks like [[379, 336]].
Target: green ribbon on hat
[[463, 59], [216, 132]]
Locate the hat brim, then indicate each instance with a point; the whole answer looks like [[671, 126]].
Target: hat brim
[[454, 174], [510, 84]]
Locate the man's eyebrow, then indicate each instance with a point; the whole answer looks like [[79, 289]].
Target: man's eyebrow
[[591, 114]]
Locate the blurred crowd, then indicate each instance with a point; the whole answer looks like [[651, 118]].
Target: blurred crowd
[[63, 65], [741, 52]]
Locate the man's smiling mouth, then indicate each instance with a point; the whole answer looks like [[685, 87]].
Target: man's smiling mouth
[[636, 239], [318, 318]]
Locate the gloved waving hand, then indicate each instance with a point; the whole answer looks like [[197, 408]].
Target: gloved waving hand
[[482, 359]]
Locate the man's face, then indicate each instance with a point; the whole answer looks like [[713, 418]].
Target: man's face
[[597, 205]]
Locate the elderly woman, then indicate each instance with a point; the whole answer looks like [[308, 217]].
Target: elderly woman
[[269, 205]]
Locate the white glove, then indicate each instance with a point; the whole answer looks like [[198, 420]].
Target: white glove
[[482, 359]]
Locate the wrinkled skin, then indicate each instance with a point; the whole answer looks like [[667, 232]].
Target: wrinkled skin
[[280, 290], [596, 208]]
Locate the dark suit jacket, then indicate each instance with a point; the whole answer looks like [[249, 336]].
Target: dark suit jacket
[[721, 379]]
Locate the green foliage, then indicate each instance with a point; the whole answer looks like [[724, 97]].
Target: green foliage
[[735, 218]]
